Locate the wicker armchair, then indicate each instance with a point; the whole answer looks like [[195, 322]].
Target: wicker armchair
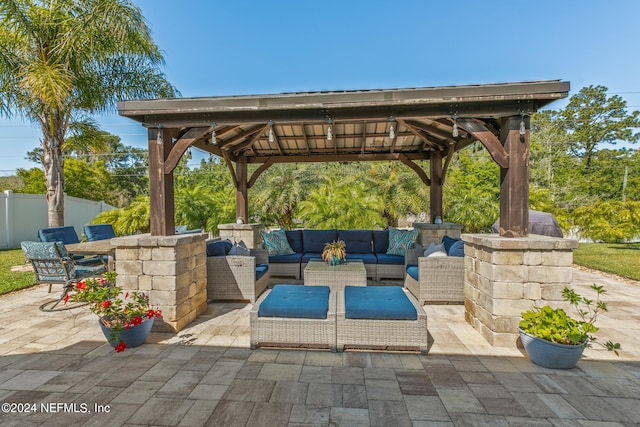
[[441, 279], [233, 277]]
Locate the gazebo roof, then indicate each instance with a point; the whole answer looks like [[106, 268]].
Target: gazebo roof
[[293, 127]]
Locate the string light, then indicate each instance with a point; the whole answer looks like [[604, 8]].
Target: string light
[[271, 136], [392, 131], [214, 140], [523, 129], [159, 138], [454, 131], [329, 132]]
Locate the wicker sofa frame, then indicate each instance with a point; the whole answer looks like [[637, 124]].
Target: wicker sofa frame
[[293, 332], [233, 277], [381, 334], [441, 278]]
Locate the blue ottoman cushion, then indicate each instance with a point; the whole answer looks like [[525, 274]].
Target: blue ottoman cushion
[[310, 302], [378, 302]]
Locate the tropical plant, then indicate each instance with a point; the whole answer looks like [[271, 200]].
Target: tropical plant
[[610, 222], [557, 326], [64, 59]]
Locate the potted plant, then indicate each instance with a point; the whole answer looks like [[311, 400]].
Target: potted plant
[[125, 319], [335, 252], [553, 339]]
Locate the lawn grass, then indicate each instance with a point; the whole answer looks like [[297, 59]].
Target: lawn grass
[[12, 280], [622, 259]]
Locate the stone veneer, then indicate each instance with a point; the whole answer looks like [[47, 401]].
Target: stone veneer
[[172, 270], [248, 233], [433, 233], [506, 276]]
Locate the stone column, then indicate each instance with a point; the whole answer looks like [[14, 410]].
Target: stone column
[[506, 276], [172, 270], [433, 233], [248, 233]]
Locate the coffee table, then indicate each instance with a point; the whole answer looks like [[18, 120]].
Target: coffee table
[[318, 272]]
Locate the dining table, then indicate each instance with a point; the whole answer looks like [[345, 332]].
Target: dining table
[[95, 248]]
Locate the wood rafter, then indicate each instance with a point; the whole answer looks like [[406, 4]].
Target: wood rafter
[[428, 141], [263, 167], [417, 169], [305, 137], [249, 143], [242, 135], [477, 128], [432, 130], [180, 146], [446, 163], [229, 164]]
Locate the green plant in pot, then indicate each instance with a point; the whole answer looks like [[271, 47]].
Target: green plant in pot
[[335, 252], [554, 339]]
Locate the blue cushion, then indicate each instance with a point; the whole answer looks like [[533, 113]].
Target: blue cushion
[[448, 242], [99, 232], [309, 256], [390, 259], [380, 241], [457, 249], [378, 302], [219, 247], [310, 302], [412, 270], [295, 240], [367, 258], [313, 240], [285, 259], [66, 234], [357, 241], [261, 269]]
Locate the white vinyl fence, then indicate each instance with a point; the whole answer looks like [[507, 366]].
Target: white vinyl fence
[[22, 215]]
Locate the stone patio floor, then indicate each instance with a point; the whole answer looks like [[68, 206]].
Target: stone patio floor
[[60, 365]]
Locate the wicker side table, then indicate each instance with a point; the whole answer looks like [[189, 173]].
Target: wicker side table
[[352, 273]]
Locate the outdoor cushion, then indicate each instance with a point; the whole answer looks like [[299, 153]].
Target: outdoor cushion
[[457, 249], [276, 242], [412, 270], [437, 253], [295, 240], [367, 258], [285, 259], [448, 242], [306, 257], [357, 241], [310, 302], [66, 234], [433, 248], [261, 269], [380, 241], [401, 240], [239, 248], [313, 240], [219, 247], [378, 302], [390, 259], [99, 232]]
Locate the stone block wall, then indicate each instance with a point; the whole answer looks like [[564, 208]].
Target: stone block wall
[[506, 276], [433, 233], [248, 233], [172, 270]]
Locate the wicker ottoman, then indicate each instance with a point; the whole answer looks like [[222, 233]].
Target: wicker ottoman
[[293, 331], [387, 334]]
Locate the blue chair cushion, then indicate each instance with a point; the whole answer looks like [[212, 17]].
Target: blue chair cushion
[[309, 302], [295, 240], [313, 240], [219, 247], [457, 249], [99, 232], [378, 302], [390, 259], [306, 257], [285, 259], [448, 242], [261, 269], [357, 241], [412, 270], [66, 234], [380, 241], [367, 258]]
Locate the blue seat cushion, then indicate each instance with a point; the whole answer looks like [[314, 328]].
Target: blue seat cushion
[[219, 247], [457, 249], [295, 240], [313, 240], [380, 241], [367, 258], [285, 259], [378, 302], [99, 232], [261, 269], [309, 256], [297, 301], [357, 241], [412, 270], [66, 234], [390, 259]]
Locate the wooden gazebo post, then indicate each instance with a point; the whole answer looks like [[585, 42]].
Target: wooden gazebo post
[[161, 192], [242, 201], [435, 189]]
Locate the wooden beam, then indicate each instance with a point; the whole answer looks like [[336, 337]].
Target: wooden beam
[[432, 130], [417, 169], [446, 163], [476, 128], [237, 148], [320, 158], [435, 190], [161, 194], [305, 136], [263, 167], [424, 138], [229, 164], [242, 190], [242, 135], [181, 145]]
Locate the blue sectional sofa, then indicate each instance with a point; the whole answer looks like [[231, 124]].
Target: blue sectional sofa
[[370, 246]]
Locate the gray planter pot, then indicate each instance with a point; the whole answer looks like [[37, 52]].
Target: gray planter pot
[[549, 354]]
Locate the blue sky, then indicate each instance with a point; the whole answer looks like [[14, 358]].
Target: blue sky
[[256, 47]]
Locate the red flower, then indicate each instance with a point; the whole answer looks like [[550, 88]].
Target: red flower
[[150, 314], [105, 303], [127, 325], [82, 285], [136, 320], [66, 298], [120, 347]]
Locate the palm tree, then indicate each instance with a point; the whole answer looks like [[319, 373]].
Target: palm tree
[[62, 60]]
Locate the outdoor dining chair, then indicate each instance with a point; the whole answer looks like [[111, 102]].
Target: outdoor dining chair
[[67, 235], [52, 265], [99, 232]]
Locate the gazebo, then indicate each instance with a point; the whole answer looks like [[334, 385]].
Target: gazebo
[[505, 273]]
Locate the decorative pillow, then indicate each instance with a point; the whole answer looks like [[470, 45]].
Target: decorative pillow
[[219, 247], [434, 248], [457, 249], [401, 240], [448, 242], [239, 248], [276, 243], [437, 253]]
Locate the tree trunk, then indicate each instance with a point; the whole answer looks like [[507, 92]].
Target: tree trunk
[[53, 131]]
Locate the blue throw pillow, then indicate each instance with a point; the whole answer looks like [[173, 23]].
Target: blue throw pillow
[[457, 249], [218, 247], [448, 242], [401, 240], [276, 243]]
